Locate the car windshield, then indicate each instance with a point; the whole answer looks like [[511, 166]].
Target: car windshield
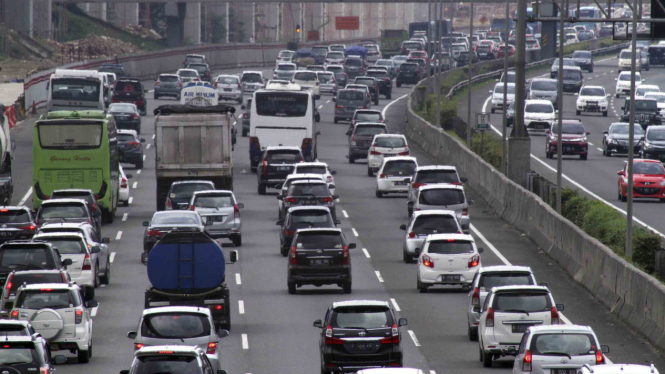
[[164, 364], [543, 86], [643, 105], [213, 201], [355, 62], [539, 108], [625, 55], [62, 211], [658, 97], [650, 168], [442, 196], [570, 128], [286, 54], [624, 129], [370, 130], [67, 246], [305, 76], [491, 280], [435, 224], [14, 216], [351, 95], [656, 135], [582, 54], [520, 302], [498, 89], [194, 59], [305, 219], [365, 82], [126, 138], [390, 142], [309, 190], [320, 240], [175, 326], [626, 77], [40, 299], [284, 157], [445, 247], [32, 278], [174, 220], [566, 62], [399, 168], [361, 317], [592, 92], [437, 176], [571, 344], [16, 354], [122, 108], [310, 170], [511, 78], [188, 73], [234, 80], [572, 75], [251, 78], [186, 190], [643, 90]]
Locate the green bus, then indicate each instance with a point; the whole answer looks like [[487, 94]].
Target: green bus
[[76, 150]]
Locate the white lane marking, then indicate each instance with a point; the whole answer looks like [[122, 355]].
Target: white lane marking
[[143, 157], [432, 372], [492, 247], [327, 101], [25, 197], [354, 231], [378, 275], [119, 235], [319, 107], [138, 171], [565, 319], [147, 146], [124, 217], [590, 143], [112, 257], [245, 344], [94, 311], [234, 123], [346, 215], [385, 109], [413, 337], [395, 305], [153, 136], [600, 149], [366, 253], [241, 307], [238, 280], [136, 184], [131, 198]]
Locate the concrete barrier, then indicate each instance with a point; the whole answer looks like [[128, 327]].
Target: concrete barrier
[[634, 296]]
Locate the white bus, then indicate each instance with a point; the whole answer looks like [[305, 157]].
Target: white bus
[[75, 90], [283, 118]]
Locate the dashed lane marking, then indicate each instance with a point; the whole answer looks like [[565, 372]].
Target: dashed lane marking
[[366, 253], [245, 344], [25, 197], [147, 146], [413, 337], [112, 257], [138, 171], [395, 305], [136, 184], [153, 136], [378, 275], [131, 199], [124, 217], [327, 101], [590, 143], [238, 280], [354, 232], [143, 157], [241, 307], [600, 149], [319, 107], [346, 215], [118, 235], [94, 311]]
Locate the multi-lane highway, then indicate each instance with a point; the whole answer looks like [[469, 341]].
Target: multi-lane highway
[[272, 331]]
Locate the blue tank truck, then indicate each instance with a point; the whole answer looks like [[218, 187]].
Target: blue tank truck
[[186, 267]]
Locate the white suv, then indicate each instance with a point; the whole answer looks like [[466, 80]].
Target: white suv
[[623, 83], [57, 311], [506, 315], [447, 259], [385, 145], [592, 99], [538, 115]]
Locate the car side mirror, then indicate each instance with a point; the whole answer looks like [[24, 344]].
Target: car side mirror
[[559, 307], [241, 206], [606, 132], [142, 140], [604, 349], [129, 176], [91, 304], [145, 91], [334, 172], [351, 246], [280, 197], [402, 227], [335, 197], [464, 179], [95, 249], [402, 322], [318, 324], [481, 250], [279, 223], [233, 257], [338, 222], [542, 284], [67, 262], [242, 107], [317, 117], [146, 224], [318, 133], [222, 333], [106, 240], [623, 108], [547, 131], [620, 172], [60, 359], [588, 132], [132, 335]]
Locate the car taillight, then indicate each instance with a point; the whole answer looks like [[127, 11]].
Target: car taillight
[[406, 153], [427, 261], [555, 316], [87, 265], [382, 175], [374, 152], [236, 212], [600, 359], [329, 338], [14, 314], [239, 86], [212, 347], [31, 227], [526, 364], [8, 286], [418, 185], [153, 233], [64, 277], [43, 370], [465, 211], [292, 257], [394, 339], [412, 234], [489, 321], [78, 316], [135, 144], [123, 183], [138, 346], [290, 200], [288, 232], [157, 84], [265, 167], [179, 85], [327, 199], [474, 261], [192, 207], [339, 107], [475, 298], [215, 84]]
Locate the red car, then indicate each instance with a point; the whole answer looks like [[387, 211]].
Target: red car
[[648, 180], [501, 53], [418, 54], [574, 139]]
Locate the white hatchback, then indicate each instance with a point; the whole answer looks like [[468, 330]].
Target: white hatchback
[[538, 115], [497, 96], [395, 174], [659, 97], [644, 89], [447, 259], [284, 56], [123, 194], [383, 146], [334, 58], [320, 168]]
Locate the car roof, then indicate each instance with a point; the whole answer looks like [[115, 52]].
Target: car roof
[[312, 207], [561, 328], [543, 80], [435, 167], [520, 288], [179, 70], [434, 237], [299, 182], [399, 158], [646, 161], [351, 303], [313, 163], [175, 212], [252, 72], [602, 86], [576, 68], [372, 111], [176, 309], [42, 235], [39, 271], [390, 136], [304, 176], [648, 86], [55, 286], [502, 268], [192, 181], [195, 55], [74, 225], [433, 212], [212, 192], [129, 132], [168, 75], [61, 201], [179, 349], [282, 148], [537, 101], [229, 75], [319, 229], [500, 84], [335, 66], [441, 186], [369, 124], [14, 207]]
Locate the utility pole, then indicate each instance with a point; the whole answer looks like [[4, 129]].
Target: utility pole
[[504, 145], [429, 28], [559, 94], [631, 137], [519, 130], [470, 69]]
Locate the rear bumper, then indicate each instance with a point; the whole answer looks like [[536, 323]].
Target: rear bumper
[[131, 157], [350, 363], [431, 276], [167, 91], [86, 279], [388, 185], [319, 279]]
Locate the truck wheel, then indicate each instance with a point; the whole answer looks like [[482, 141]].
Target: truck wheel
[[237, 240], [155, 96], [398, 84], [292, 288], [244, 133], [284, 250], [347, 287], [83, 356], [125, 203], [351, 159], [262, 189], [370, 173], [389, 96]]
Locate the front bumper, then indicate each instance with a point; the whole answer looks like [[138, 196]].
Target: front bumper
[[131, 157], [622, 148], [85, 278], [654, 153], [586, 107], [538, 124], [433, 276], [654, 192]]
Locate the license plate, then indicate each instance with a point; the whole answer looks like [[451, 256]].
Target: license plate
[[400, 183], [319, 262], [227, 90], [564, 371], [389, 155], [309, 202], [567, 148], [363, 346], [482, 54], [282, 168], [450, 278], [4, 234], [521, 327]]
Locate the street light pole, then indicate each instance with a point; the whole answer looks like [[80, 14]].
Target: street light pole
[[631, 138], [439, 22], [429, 29], [519, 130], [504, 147], [470, 69], [559, 98]]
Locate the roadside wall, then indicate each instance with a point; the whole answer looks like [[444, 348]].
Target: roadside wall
[[636, 297]]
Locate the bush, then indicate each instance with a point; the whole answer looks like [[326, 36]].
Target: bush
[[491, 148]]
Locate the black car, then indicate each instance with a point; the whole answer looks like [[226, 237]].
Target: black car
[[16, 223], [302, 217], [646, 112], [131, 150], [656, 55], [653, 146], [385, 81], [116, 69], [275, 164], [181, 193], [354, 66], [583, 59], [203, 70], [29, 255], [360, 139], [163, 222], [131, 91], [246, 115], [615, 139], [127, 116], [359, 334], [408, 73], [373, 86], [28, 355], [319, 257], [90, 199], [194, 59], [463, 58], [485, 52]]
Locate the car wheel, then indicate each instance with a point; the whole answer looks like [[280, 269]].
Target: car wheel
[[379, 194], [616, 95], [591, 70], [347, 287], [351, 159], [389, 96], [237, 240], [398, 84], [408, 259], [577, 112], [605, 114], [370, 173], [548, 155], [240, 100], [421, 287], [487, 359], [253, 169], [284, 250], [125, 203], [155, 96], [177, 97], [473, 336], [292, 288], [83, 356], [335, 120], [376, 102], [262, 189], [106, 278], [624, 198], [244, 133]]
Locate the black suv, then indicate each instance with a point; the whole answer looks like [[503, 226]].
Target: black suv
[[95, 210], [320, 257], [646, 112], [131, 91], [302, 217], [17, 223], [181, 193], [373, 86], [29, 255], [385, 81], [275, 164], [583, 59], [408, 73], [28, 355], [359, 334], [203, 70]]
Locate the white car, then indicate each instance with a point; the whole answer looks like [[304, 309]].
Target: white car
[[337, 47], [309, 81], [625, 60], [394, 175], [544, 348], [123, 195], [188, 75], [623, 83], [644, 89], [59, 313], [507, 313], [334, 58], [489, 277], [385, 145], [320, 168], [570, 39], [497, 96], [228, 87], [659, 97], [373, 52], [592, 99], [390, 371], [422, 224], [447, 259], [252, 81], [619, 368], [538, 115], [284, 56]]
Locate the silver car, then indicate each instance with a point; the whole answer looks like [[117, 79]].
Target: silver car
[[431, 175], [327, 82], [180, 325], [425, 223], [228, 88], [445, 196], [487, 278], [544, 89], [221, 208], [284, 71], [168, 85], [558, 349], [305, 193]]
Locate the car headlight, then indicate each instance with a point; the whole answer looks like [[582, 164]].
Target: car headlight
[[662, 183], [647, 145], [577, 140], [612, 141]]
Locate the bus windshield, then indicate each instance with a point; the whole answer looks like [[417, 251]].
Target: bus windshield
[[75, 89], [281, 104], [70, 136]]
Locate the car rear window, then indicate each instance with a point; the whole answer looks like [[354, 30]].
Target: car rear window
[[435, 224], [124, 86], [305, 219], [399, 168], [251, 78], [325, 78], [174, 220], [571, 344], [351, 95], [408, 67], [411, 45], [368, 117], [377, 73], [194, 59], [214, 201], [40, 299], [310, 189], [319, 240], [311, 170], [22, 258], [14, 216], [67, 246], [199, 68], [72, 195], [305, 76], [227, 80], [491, 280], [167, 364], [442, 196], [186, 190], [365, 82], [355, 62], [361, 317], [284, 157], [390, 142], [62, 211], [175, 325], [335, 69], [32, 278], [126, 138], [168, 79], [445, 247], [520, 302], [437, 176], [370, 130], [18, 354], [188, 73], [122, 108]]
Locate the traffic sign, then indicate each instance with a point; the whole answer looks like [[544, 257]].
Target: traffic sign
[[482, 121]]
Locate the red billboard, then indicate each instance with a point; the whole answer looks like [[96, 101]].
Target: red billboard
[[347, 23]]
